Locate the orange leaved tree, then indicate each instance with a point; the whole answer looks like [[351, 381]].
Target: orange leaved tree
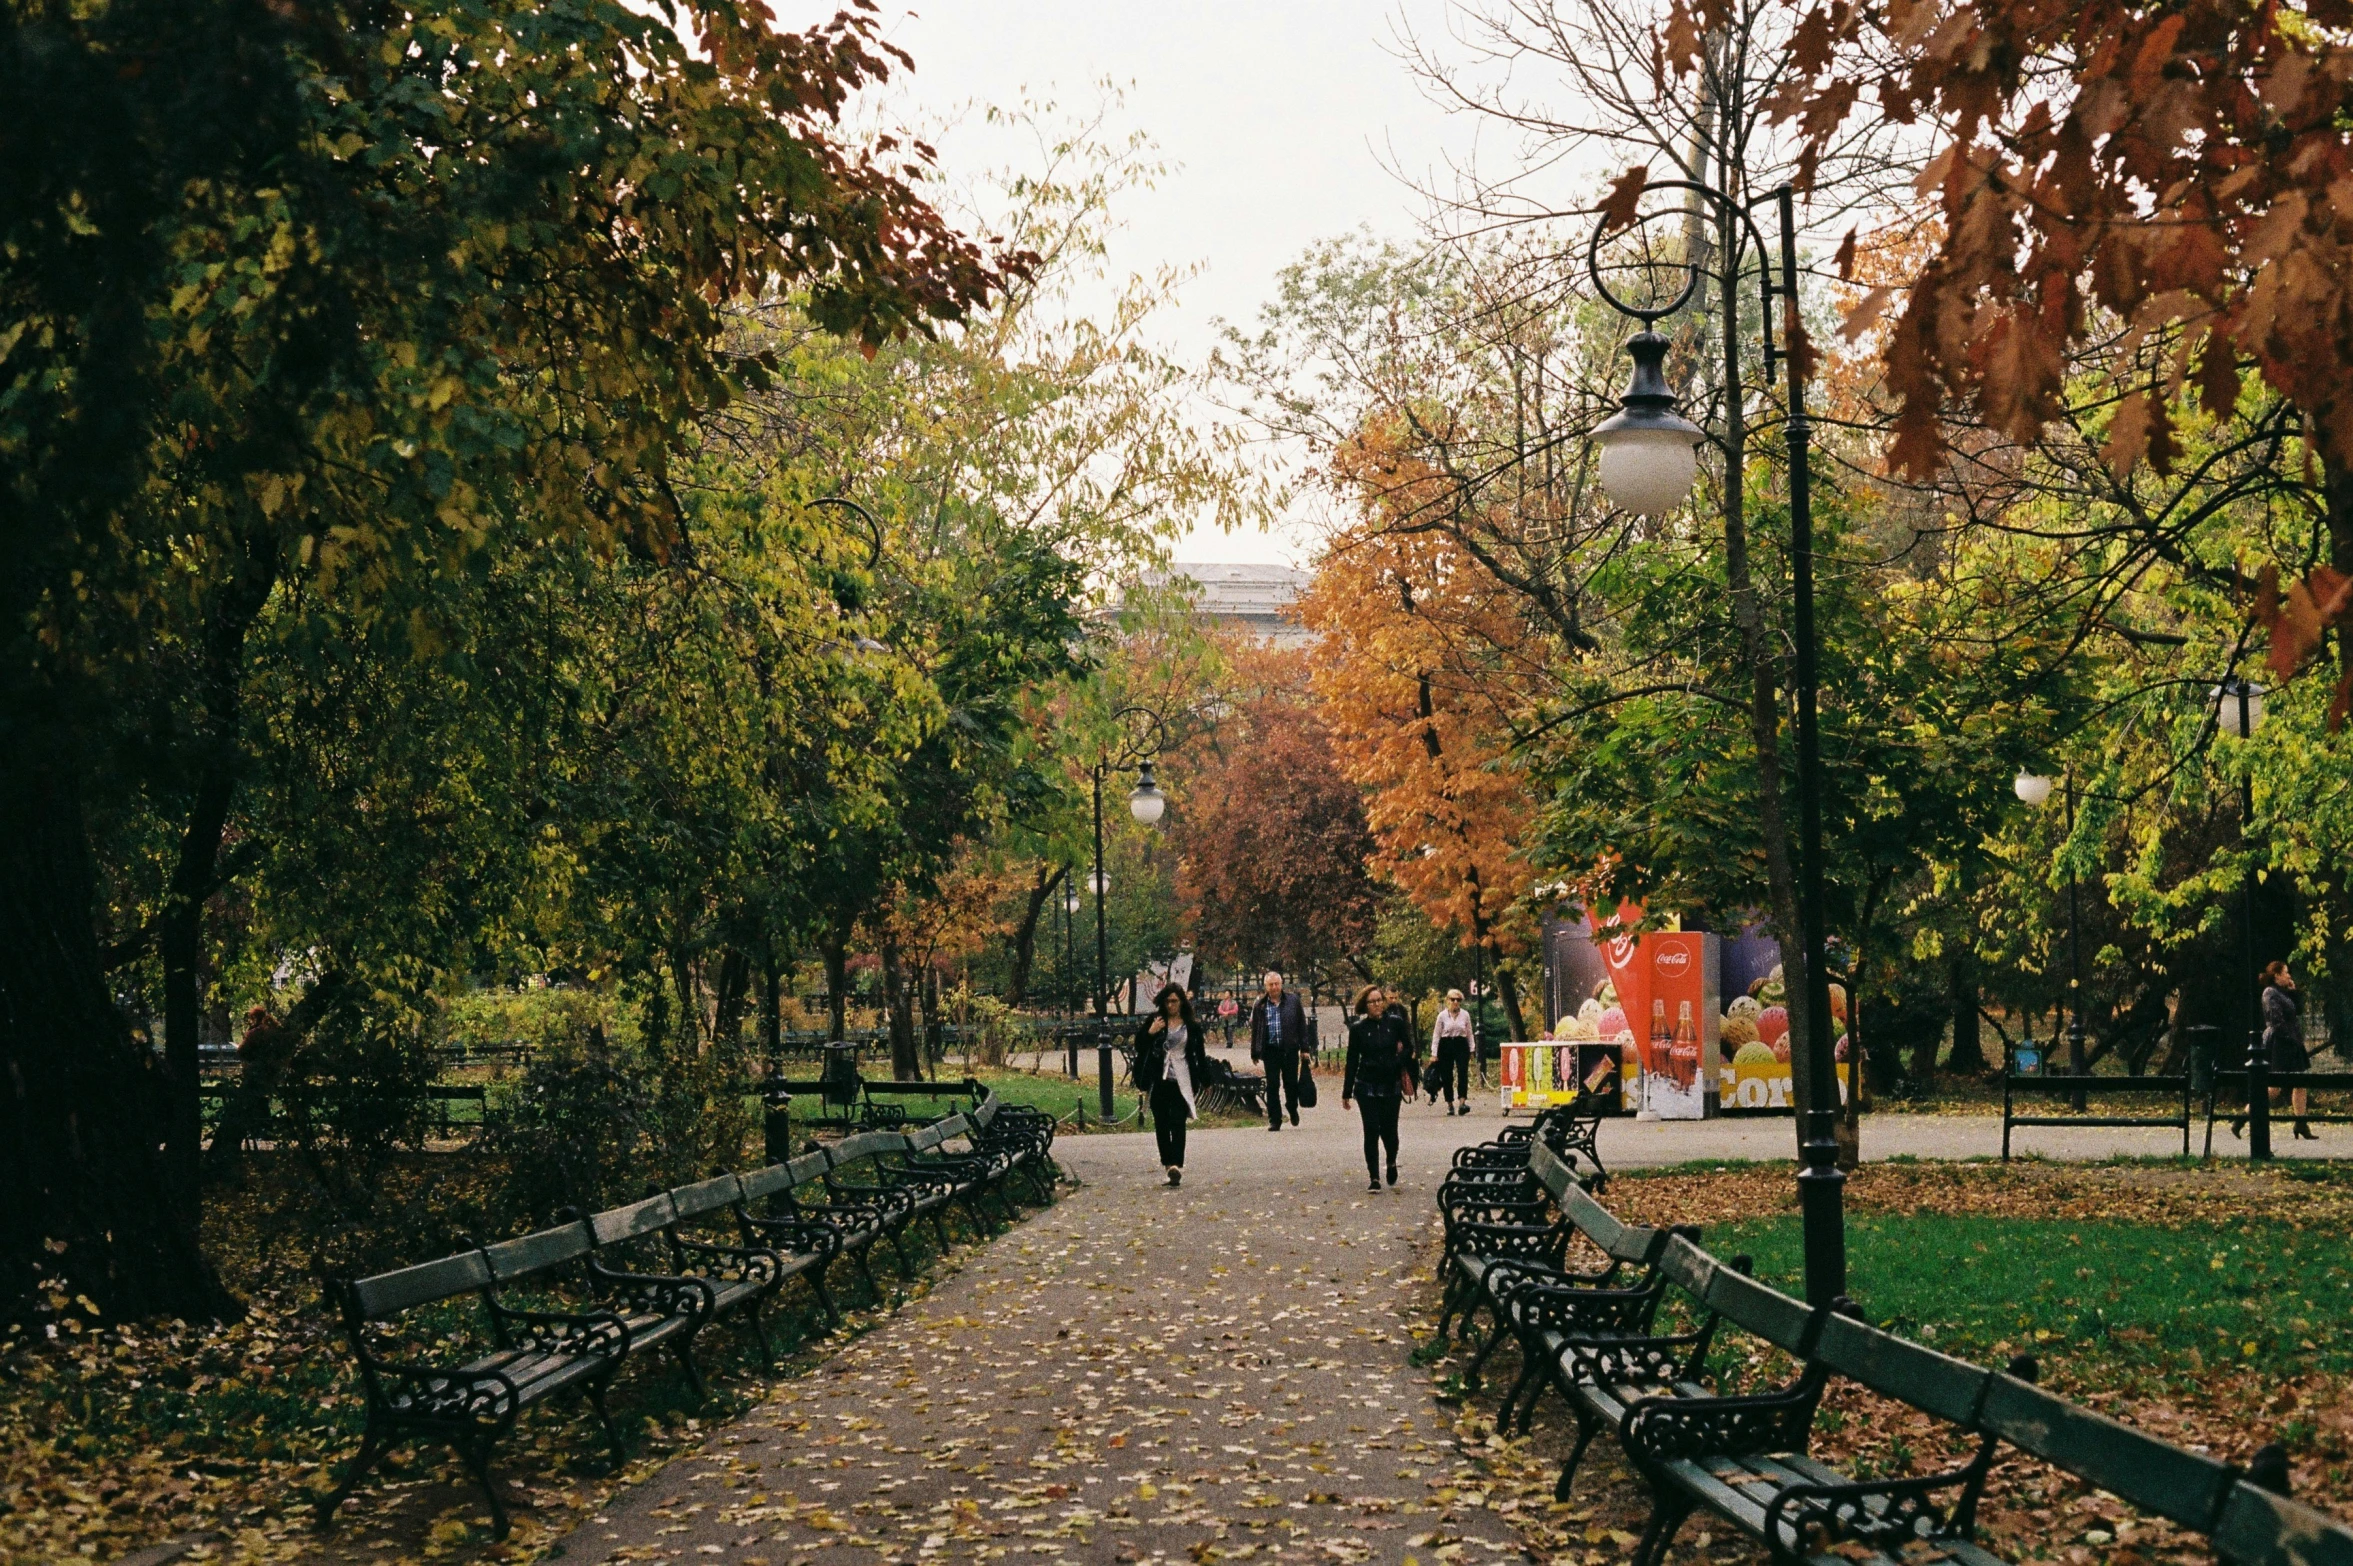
[[1418, 663]]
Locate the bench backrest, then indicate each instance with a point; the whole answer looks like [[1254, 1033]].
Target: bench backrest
[[390, 1293], [2156, 1476], [983, 1113], [638, 1219], [542, 1250], [866, 1144], [705, 1197], [2259, 1528], [1951, 1389], [930, 1136]]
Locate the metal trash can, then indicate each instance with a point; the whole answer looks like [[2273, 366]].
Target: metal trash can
[[840, 1076]]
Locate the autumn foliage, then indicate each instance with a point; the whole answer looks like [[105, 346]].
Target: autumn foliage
[[2173, 179], [1416, 667]]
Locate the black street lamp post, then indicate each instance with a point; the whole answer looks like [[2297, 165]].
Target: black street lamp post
[[2036, 791], [2238, 713], [1146, 803], [1647, 465]]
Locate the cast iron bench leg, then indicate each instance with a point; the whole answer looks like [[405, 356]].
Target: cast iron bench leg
[[371, 1452]]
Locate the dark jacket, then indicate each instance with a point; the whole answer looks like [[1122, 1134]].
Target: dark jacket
[[2283, 1030], [1294, 1025], [1380, 1051], [1152, 1058]]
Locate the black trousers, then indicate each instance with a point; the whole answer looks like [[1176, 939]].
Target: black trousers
[[1380, 1131], [1282, 1077], [1168, 1122], [1454, 1068]]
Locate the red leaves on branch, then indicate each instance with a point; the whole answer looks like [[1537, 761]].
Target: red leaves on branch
[[1623, 203], [2184, 166]]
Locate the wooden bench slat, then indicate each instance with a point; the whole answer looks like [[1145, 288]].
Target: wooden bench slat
[[705, 1196], [389, 1293], [1934, 1383], [2262, 1529], [2156, 1476], [537, 1251], [1754, 1307], [650, 1216]]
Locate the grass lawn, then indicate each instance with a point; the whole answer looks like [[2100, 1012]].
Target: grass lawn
[[2120, 1298]]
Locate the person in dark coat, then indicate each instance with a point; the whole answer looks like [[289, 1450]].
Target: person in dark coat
[[1171, 1059], [1382, 1069], [2283, 1037], [1278, 1038]]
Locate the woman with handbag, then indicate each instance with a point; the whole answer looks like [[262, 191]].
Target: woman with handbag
[[1170, 1058], [1381, 1070]]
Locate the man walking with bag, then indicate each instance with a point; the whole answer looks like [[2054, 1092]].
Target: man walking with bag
[[1278, 1032]]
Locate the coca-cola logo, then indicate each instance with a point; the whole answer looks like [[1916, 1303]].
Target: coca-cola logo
[[1672, 961], [1621, 951]]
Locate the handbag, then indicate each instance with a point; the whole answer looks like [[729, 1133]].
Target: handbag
[[1304, 1094]]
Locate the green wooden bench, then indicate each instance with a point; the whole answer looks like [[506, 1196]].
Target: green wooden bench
[[1745, 1458], [416, 1388]]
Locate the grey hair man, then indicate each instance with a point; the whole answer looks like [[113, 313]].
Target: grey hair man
[[1278, 1036]]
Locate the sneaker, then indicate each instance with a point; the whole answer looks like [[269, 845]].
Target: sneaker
[[1278, 1125], [1392, 1174], [1294, 1117], [1176, 1174], [1373, 1187]]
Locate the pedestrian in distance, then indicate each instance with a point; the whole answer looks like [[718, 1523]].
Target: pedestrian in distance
[[2283, 1037], [1381, 1071], [1450, 1054], [1170, 1058], [1278, 1037]]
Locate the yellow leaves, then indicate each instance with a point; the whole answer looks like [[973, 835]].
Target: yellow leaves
[[444, 389]]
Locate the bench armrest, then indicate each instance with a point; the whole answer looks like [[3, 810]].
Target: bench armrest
[[658, 1293], [1607, 1362], [1660, 1430], [583, 1332], [1806, 1519], [1573, 1310], [751, 1263]]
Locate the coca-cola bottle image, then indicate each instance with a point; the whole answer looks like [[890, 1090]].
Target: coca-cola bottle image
[[1654, 1052], [1683, 1054]]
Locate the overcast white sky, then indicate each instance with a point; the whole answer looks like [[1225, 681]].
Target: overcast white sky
[[1280, 115]]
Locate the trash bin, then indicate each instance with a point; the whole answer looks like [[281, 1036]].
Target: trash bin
[[2204, 1040], [840, 1076]]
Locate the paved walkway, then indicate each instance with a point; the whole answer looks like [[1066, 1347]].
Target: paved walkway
[[1146, 1374]]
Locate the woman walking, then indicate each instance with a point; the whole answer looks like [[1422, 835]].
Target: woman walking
[[2283, 1037], [1170, 1058], [1381, 1070], [1450, 1053]]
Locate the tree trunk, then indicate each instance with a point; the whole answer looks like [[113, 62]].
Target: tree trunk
[[1025, 935], [837, 983], [83, 1191], [1508, 982], [1968, 1056], [735, 989], [898, 1010]]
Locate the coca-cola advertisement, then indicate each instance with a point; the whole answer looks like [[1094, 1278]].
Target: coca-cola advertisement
[[1678, 1043]]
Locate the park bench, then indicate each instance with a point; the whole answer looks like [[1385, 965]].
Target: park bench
[[2173, 1090], [736, 1281], [789, 1225], [1744, 1457], [417, 1389]]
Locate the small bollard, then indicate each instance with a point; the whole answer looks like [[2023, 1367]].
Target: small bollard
[[1103, 1071], [778, 1128]]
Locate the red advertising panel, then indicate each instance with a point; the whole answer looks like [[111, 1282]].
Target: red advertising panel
[[1675, 1030]]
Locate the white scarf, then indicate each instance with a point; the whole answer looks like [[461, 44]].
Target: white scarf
[[1179, 1070]]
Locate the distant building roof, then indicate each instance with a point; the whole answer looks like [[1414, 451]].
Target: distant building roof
[[1253, 598]]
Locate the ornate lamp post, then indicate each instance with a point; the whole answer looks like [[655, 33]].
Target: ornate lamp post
[[1146, 803], [2034, 790], [2238, 713], [1647, 465]]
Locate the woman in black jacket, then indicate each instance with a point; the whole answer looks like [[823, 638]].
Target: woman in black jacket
[[1381, 1070], [1170, 1060]]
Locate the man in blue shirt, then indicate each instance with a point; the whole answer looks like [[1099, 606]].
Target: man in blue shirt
[[1278, 1033]]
